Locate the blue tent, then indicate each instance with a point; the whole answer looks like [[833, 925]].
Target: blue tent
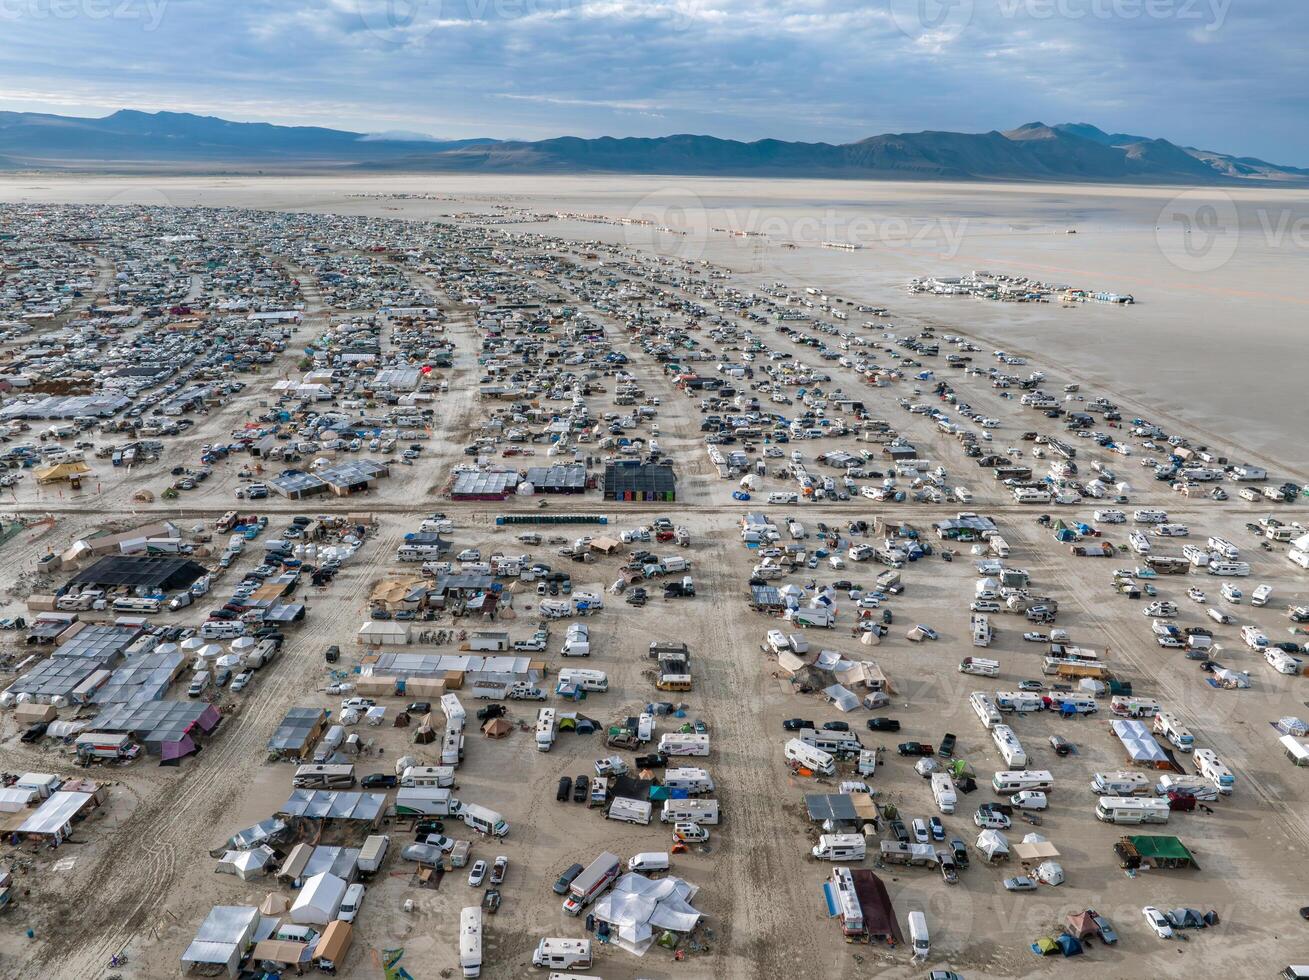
[[1068, 945]]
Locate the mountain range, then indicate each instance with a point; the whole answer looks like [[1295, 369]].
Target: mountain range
[[130, 140]]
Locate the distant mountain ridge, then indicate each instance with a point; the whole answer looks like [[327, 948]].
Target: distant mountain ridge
[[129, 139]]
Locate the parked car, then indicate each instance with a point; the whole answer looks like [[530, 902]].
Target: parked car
[[1157, 921], [491, 901], [921, 833], [565, 879], [477, 874], [242, 680], [900, 831], [1060, 745], [915, 748], [565, 788], [883, 724], [581, 788], [1031, 686], [379, 780], [836, 726], [1022, 883], [498, 870], [35, 733], [795, 724]]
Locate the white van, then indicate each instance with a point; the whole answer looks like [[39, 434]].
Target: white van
[[354, 897], [918, 935], [811, 758], [1029, 799], [840, 847], [649, 861]]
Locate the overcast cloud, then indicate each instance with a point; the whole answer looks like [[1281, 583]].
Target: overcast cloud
[[1221, 74]]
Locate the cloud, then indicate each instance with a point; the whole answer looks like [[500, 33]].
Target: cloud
[[833, 70]]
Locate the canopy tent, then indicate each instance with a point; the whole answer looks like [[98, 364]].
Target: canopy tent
[[1030, 853], [1139, 743], [222, 939]]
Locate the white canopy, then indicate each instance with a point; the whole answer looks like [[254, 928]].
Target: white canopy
[[992, 843], [638, 908]]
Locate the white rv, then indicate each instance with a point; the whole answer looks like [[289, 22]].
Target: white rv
[[811, 758], [840, 847]]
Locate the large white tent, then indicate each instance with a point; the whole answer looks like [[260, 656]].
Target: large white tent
[[637, 909], [319, 900]]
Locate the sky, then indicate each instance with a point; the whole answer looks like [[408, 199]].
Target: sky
[[1225, 75]]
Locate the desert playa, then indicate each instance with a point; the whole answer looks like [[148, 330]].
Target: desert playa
[[1213, 269], [620, 523]]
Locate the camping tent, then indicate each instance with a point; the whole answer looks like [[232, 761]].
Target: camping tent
[[497, 728], [992, 843], [1045, 946], [1082, 924], [319, 900], [1068, 945], [274, 904], [1050, 872], [246, 865]]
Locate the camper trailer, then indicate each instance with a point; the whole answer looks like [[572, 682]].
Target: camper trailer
[[840, 847], [1131, 809], [809, 757]]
